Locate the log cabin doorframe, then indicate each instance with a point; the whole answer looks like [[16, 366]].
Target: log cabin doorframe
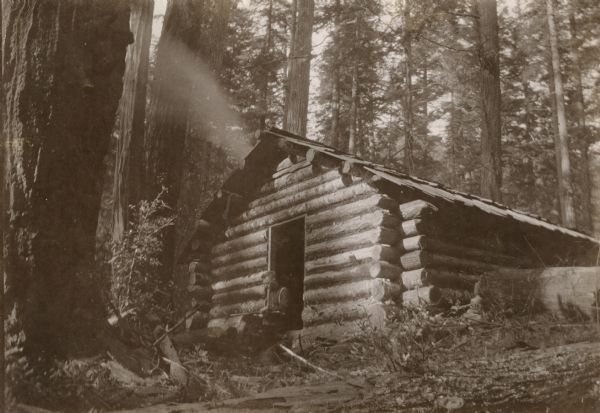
[[296, 323]]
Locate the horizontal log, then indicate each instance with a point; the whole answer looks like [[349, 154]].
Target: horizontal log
[[246, 307], [280, 182], [412, 227], [354, 241], [358, 206], [567, 292], [384, 269], [421, 296], [240, 268], [294, 188], [324, 201], [384, 290], [337, 276], [242, 242], [239, 282], [321, 187], [478, 254], [339, 292], [345, 226], [374, 253], [289, 168], [198, 278], [454, 280], [236, 296], [421, 259], [416, 209], [415, 278], [342, 312], [234, 257], [417, 242]]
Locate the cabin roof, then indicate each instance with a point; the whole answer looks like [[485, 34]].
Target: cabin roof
[[273, 146]]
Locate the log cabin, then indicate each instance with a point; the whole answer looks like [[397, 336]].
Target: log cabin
[[313, 240]]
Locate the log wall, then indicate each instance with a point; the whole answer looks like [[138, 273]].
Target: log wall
[[350, 254]]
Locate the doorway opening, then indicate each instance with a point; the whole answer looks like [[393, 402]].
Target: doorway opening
[[286, 259]]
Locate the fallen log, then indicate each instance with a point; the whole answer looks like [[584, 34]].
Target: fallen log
[[566, 292], [176, 370]]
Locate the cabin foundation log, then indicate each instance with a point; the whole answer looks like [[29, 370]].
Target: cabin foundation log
[[423, 259], [246, 307], [339, 292], [240, 295], [343, 312]]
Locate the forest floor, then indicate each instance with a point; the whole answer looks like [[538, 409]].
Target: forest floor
[[431, 363]]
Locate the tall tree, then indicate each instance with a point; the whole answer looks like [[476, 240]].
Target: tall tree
[[170, 103], [299, 73], [582, 138], [491, 134], [128, 176], [62, 65], [565, 185], [594, 165], [333, 138]]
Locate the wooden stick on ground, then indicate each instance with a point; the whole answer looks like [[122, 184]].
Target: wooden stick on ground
[[314, 366]]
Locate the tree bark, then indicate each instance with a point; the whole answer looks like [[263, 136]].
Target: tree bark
[[407, 41], [583, 139], [299, 74], [129, 166], [62, 79], [594, 171], [334, 134], [565, 186], [491, 162], [266, 55]]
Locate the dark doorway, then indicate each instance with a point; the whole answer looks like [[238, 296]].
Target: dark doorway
[[286, 258]]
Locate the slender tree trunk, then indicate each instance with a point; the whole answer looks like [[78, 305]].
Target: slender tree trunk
[[299, 74], [291, 54], [129, 166], [352, 137], [3, 225], [334, 134], [62, 79], [408, 93], [594, 171], [581, 131], [491, 160], [567, 210], [266, 55]]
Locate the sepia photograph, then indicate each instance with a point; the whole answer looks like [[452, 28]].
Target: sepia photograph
[[300, 206]]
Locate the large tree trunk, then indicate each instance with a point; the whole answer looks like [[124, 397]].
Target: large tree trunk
[[352, 135], [491, 162], [129, 166], [299, 74], [582, 137], [170, 103], [62, 79], [565, 186]]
